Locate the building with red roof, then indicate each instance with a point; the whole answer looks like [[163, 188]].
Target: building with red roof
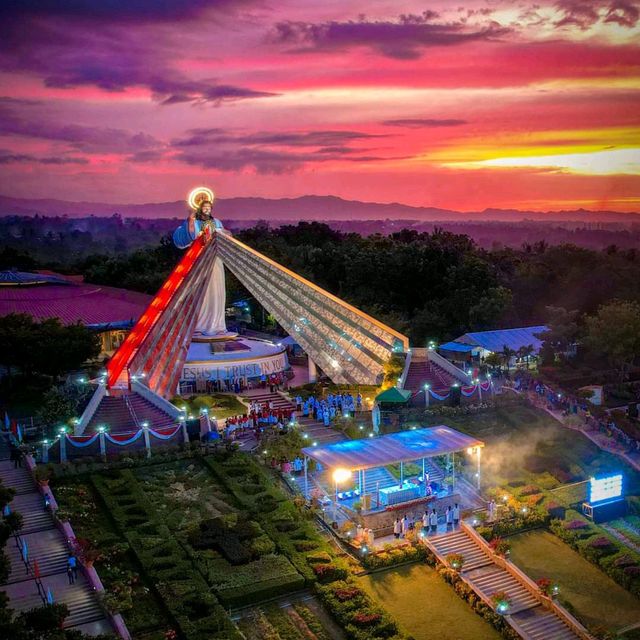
[[107, 310]]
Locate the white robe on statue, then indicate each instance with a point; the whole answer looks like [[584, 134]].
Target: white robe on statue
[[211, 320]]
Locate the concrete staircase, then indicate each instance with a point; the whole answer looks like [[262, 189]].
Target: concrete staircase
[[121, 415], [423, 372], [486, 576], [49, 547]]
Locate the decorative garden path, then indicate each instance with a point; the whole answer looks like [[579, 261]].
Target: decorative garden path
[[46, 544], [486, 575]]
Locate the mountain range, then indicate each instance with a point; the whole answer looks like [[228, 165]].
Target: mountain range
[[323, 208]]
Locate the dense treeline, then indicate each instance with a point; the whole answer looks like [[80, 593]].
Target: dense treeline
[[430, 285]]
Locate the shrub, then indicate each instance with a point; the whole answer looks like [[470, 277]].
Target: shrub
[[455, 561], [529, 490], [500, 546], [328, 572], [574, 525]]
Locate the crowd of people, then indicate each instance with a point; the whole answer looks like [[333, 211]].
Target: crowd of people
[[428, 523], [261, 415], [325, 410]]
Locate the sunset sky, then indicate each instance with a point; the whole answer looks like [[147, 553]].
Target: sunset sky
[[462, 105]]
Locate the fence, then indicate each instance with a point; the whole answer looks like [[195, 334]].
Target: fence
[[104, 444]]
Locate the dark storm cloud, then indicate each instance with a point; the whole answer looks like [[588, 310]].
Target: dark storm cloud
[[420, 123], [404, 38]]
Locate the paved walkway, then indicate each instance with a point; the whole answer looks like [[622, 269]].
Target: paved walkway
[[48, 546]]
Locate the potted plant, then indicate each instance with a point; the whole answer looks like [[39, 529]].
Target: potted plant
[[547, 587], [455, 561], [501, 602], [500, 546]]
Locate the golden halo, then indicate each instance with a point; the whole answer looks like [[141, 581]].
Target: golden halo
[[200, 195]]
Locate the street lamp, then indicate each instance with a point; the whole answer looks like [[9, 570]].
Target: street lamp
[[426, 394], [339, 476]]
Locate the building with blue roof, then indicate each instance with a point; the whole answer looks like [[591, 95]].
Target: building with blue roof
[[477, 345]]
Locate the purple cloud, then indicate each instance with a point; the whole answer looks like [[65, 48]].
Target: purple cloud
[[585, 13], [31, 119], [198, 137], [68, 54], [420, 123], [404, 38], [11, 158], [114, 10]]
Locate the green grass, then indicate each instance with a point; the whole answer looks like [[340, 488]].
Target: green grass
[[219, 405], [423, 604], [594, 598]]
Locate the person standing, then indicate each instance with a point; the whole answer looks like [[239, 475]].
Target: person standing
[[72, 568], [397, 528], [433, 521], [404, 523], [448, 517], [425, 522], [456, 515]]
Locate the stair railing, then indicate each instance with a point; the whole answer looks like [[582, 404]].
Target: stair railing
[[132, 411]]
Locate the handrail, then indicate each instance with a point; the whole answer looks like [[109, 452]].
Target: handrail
[[156, 400], [529, 584], [443, 363], [132, 412], [405, 372], [90, 409]]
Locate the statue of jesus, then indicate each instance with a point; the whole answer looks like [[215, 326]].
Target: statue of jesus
[[211, 321]]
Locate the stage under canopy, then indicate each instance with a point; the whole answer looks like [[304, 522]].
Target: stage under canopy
[[404, 446]]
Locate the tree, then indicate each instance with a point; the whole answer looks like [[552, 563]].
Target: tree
[[507, 354], [47, 347], [561, 334], [614, 333], [493, 360], [525, 352]]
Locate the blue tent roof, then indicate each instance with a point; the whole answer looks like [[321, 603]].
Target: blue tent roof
[[457, 346], [402, 446], [496, 340]]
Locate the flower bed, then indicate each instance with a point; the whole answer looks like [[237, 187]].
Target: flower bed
[[357, 614], [394, 555], [609, 554]]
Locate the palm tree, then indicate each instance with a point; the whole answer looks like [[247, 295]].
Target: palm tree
[[528, 351], [507, 354]]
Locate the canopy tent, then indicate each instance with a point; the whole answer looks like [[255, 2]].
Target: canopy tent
[[403, 446], [394, 396]]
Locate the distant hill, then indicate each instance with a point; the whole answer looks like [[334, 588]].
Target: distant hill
[[305, 208]]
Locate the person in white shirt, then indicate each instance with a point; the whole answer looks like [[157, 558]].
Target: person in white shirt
[[425, 523], [397, 528], [433, 521], [448, 516], [404, 523], [456, 515]]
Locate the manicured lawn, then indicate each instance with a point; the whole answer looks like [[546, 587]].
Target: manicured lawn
[[219, 405], [594, 598], [424, 605]]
